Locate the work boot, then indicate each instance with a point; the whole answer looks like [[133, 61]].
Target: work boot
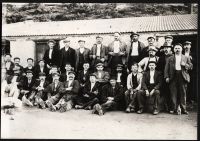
[[185, 112], [128, 110], [140, 111], [155, 112]]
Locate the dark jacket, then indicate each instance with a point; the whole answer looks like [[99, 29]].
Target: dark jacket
[[10, 71], [103, 53], [146, 80], [55, 60], [86, 55], [23, 84], [141, 46], [72, 58], [83, 78], [37, 83], [75, 87], [52, 91], [37, 71], [162, 62], [107, 92], [10, 77], [170, 68], [87, 87]]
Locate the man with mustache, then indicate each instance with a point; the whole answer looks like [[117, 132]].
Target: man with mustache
[[17, 61], [143, 64], [176, 74], [69, 94], [168, 42], [116, 52], [39, 87], [98, 53], [165, 93]]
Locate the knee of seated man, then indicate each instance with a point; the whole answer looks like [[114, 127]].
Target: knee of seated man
[[156, 92]]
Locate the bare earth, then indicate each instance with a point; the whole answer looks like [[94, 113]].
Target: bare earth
[[80, 124]]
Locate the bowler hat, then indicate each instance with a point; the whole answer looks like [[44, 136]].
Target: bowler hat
[[134, 33]]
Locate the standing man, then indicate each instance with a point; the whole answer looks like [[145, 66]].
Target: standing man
[[151, 83], [52, 55], [134, 50], [40, 67], [151, 42], [67, 55], [82, 55], [165, 93], [116, 52], [168, 42], [98, 52], [176, 74], [134, 82]]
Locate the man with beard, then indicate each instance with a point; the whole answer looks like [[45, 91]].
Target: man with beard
[[39, 87], [98, 52], [176, 74], [165, 87], [143, 64], [134, 50], [70, 92], [121, 74], [116, 52]]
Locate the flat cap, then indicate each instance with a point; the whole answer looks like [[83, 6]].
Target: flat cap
[[150, 37], [56, 74], [71, 72], [29, 71], [93, 74], [166, 46], [178, 44], [81, 40], [119, 66], [113, 77], [51, 41], [152, 48], [168, 36], [99, 64], [66, 40], [99, 37], [187, 42], [152, 62], [42, 74], [134, 33]]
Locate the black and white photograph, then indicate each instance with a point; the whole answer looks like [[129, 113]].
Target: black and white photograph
[[121, 71]]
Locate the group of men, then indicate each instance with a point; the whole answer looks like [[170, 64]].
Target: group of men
[[120, 76]]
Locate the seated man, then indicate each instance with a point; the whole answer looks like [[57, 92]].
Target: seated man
[[53, 91], [26, 89], [9, 90], [83, 75], [64, 76], [30, 66], [40, 67], [134, 81], [90, 95], [151, 83], [53, 70], [39, 87], [111, 97], [69, 92], [121, 74]]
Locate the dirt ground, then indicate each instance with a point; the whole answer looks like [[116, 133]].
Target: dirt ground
[[80, 124]]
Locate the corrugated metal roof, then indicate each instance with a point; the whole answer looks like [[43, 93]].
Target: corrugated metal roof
[[139, 24]]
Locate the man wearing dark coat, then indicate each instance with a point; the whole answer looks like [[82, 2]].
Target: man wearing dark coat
[[40, 67], [111, 97], [52, 55], [151, 83], [176, 74], [67, 55]]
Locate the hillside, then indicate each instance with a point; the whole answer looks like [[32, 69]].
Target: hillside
[[79, 11]]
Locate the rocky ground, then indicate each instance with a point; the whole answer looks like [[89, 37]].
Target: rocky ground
[[80, 124]]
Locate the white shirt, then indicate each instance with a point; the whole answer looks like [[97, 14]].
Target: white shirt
[[119, 77], [70, 82], [42, 69], [82, 50], [178, 62], [50, 53], [99, 74], [8, 65], [56, 84], [14, 79], [152, 77], [41, 84], [98, 49], [92, 85], [134, 49], [66, 48], [187, 54], [116, 46]]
